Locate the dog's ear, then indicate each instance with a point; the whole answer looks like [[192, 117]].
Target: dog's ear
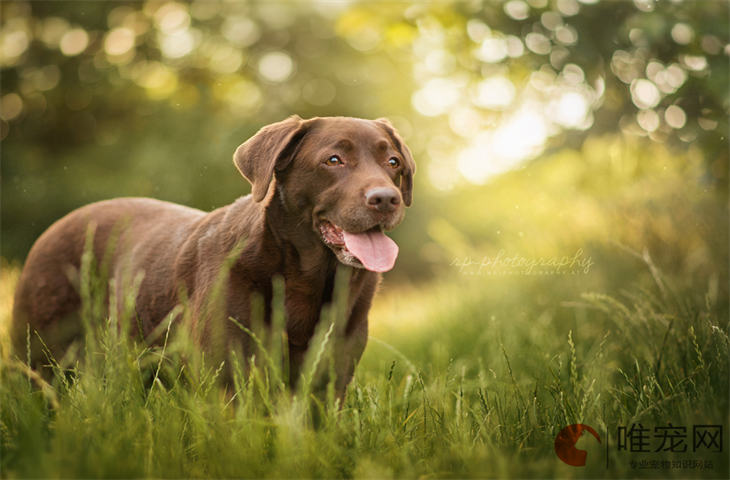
[[272, 148], [409, 167]]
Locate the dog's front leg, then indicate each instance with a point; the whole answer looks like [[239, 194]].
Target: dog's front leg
[[347, 348], [348, 351]]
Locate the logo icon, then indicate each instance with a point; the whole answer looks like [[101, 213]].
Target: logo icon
[[565, 444]]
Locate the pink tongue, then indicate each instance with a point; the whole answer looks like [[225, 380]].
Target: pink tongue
[[376, 251]]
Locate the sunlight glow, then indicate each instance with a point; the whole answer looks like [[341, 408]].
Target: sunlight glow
[[518, 138], [494, 92], [570, 110], [492, 50], [437, 96], [465, 121], [505, 119]]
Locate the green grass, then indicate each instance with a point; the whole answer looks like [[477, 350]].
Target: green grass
[[465, 377]]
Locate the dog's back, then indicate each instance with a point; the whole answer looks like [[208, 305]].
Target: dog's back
[[47, 298]]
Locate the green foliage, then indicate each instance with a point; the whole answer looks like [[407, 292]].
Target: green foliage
[[487, 399], [105, 99]]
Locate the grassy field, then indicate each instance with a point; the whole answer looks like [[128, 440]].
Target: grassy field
[[469, 376], [470, 373], [585, 132]]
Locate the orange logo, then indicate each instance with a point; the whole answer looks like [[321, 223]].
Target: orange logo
[[565, 444]]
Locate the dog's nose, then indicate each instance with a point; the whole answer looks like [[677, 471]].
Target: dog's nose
[[383, 199]]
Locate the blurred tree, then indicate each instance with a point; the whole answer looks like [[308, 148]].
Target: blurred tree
[[104, 99], [101, 99], [509, 76]]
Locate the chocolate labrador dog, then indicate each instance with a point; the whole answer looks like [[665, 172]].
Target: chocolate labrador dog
[[323, 192]]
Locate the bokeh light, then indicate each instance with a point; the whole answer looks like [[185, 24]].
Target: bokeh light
[[11, 105], [495, 92], [119, 41], [482, 90], [74, 41], [519, 137], [644, 93], [675, 116], [276, 66]]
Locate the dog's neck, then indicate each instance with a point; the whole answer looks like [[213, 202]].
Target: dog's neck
[[292, 233]]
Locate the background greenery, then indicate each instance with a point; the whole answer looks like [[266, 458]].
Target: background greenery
[[542, 129]]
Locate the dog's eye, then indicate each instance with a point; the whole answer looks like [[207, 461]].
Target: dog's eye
[[334, 161], [393, 162]]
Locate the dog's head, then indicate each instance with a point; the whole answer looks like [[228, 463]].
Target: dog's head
[[347, 179]]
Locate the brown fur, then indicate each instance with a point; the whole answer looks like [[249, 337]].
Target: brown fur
[[182, 249]]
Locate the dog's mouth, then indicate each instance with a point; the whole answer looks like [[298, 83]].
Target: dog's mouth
[[370, 249]]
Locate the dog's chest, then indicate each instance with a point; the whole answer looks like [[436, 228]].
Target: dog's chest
[[304, 298]]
